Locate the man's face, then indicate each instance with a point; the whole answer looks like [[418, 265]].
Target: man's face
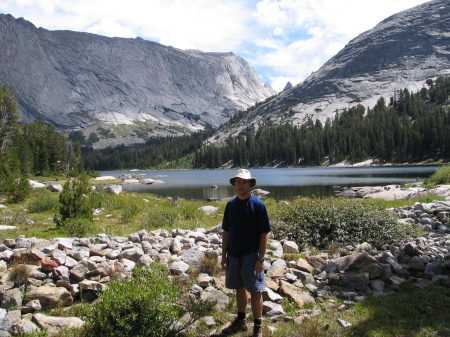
[[242, 186]]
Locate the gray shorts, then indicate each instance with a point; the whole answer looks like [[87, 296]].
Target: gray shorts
[[241, 273]]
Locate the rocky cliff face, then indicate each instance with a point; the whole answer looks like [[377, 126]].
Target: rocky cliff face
[[403, 51], [73, 80]]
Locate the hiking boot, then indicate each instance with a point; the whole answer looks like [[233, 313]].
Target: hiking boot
[[257, 331], [237, 325]]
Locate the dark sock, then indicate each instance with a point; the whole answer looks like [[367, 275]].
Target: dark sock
[[257, 321], [241, 315]]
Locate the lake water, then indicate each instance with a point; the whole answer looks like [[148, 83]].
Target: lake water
[[282, 183]]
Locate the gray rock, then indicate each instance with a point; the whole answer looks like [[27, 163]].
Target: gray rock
[[396, 267], [411, 249], [417, 263], [5, 322], [56, 324], [434, 268], [214, 295], [50, 297], [12, 298], [193, 256], [296, 294], [133, 254], [24, 326], [179, 267], [10, 243], [377, 285], [270, 295], [356, 280], [208, 210], [272, 309], [31, 307], [54, 187], [113, 189]]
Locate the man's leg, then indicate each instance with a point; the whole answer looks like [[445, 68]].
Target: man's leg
[[239, 323], [257, 309], [257, 304], [242, 300]]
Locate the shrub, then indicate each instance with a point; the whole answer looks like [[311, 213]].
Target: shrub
[[74, 202], [131, 208], [323, 222], [143, 305], [79, 227], [440, 177], [17, 190], [45, 202]]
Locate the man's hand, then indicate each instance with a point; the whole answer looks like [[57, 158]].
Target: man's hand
[[224, 263], [259, 266]]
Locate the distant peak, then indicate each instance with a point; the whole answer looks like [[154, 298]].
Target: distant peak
[[288, 86]]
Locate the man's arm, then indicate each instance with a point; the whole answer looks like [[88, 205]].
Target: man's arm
[[259, 266], [225, 241], [263, 245]]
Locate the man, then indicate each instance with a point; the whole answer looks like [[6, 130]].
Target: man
[[244, 241]]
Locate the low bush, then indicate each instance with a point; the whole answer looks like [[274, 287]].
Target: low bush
[[323, 222], [98, 198], [146, 304], [440, 177], [74, 202], [131, 207], [79, 227], [17, 190], [46, 202]]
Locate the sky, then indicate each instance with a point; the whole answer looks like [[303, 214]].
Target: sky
[[283, 40]]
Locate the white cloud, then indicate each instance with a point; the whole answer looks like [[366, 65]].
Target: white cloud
[[284, 40], [110, 27], [317, 29]]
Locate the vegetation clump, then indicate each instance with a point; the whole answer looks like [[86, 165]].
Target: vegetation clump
[[17, 190], [440, 177], [75, 208], [45, 202], [329, 221], [144, 305]]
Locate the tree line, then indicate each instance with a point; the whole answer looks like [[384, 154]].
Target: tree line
[[168, 152], [412, 127], [35, 149]]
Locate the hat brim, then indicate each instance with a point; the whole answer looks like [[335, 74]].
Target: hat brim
[[253, 180]]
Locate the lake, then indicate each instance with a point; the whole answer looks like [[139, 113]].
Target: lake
[[282, 183]]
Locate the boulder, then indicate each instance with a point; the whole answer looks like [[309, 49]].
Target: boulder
[[53, 187], [50, 297]]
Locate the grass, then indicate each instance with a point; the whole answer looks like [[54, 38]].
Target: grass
[[410, 312], [120, 215]]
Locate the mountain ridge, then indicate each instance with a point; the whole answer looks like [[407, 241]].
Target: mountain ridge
[[73, 80], [402, 51]]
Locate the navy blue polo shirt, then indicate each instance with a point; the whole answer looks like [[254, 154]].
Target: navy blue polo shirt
[[245, 220]]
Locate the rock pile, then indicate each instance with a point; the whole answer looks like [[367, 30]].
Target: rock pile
[[41, 274], [391, 192]]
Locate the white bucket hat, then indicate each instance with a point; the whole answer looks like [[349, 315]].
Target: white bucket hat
[[243, 174]]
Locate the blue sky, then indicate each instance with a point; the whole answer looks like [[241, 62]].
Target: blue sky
[[283, 40]]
